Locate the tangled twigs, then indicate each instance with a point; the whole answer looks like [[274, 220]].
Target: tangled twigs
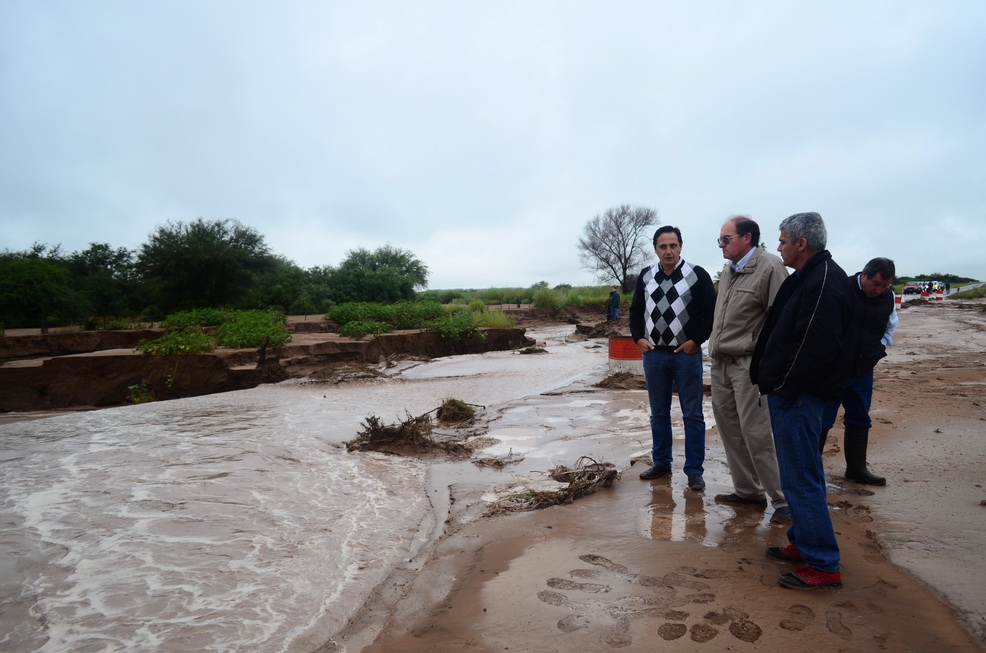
[[586, 477], [411, 435]]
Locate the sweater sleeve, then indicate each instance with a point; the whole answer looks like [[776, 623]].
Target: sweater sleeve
[[702, 308], [637, 309]]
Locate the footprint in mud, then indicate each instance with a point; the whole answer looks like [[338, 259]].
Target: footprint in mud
[[798, 616], [881, 588], [833, 621], [745, 630], [565, 584], [702, 633], [662, 603], [605, 563], [669, 632], [573, 622]]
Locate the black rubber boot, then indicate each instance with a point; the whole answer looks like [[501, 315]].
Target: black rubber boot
[[855, 446], [821, 441]]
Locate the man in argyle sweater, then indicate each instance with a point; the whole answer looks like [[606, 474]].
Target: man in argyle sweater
[[670, 318]]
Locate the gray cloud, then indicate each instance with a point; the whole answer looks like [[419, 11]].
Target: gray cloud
[[483, 137]]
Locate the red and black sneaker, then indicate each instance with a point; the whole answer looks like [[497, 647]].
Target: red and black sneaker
[[789, 553], [806, 578]]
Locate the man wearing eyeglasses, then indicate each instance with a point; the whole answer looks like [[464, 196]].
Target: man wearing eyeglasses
[[747, 286], [670, 318]]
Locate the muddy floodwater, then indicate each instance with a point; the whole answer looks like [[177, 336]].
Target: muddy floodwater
[[239, 521]]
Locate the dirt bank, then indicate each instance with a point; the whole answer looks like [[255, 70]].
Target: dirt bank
[[73, 369]]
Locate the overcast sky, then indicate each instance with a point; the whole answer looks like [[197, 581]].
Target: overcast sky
[[482, 136]]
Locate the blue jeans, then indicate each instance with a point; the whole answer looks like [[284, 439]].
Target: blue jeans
[[614, 313], [797, 428], [856, 400], [662, 367]]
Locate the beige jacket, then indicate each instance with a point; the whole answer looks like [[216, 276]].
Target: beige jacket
[[742, 303]]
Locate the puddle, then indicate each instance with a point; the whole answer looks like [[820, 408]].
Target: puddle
[[513, 441]]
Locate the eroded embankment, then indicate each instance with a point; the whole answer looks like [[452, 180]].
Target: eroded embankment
[[96, 369]]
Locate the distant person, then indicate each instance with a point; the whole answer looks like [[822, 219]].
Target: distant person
[[801, 362], [747, 286], [874, 321], [613, 307], [948, 287], [670, 317]]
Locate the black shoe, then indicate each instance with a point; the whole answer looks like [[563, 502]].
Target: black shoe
[[864, 476], [781, 515], [655, 472], [696, 482], [732, 497]]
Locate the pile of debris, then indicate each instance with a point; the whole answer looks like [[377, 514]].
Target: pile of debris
[[415, 435], [586, 477]]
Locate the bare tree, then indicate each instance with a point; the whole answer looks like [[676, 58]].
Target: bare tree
[[613, 245]]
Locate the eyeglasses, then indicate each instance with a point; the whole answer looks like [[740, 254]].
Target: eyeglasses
[[724, 240]]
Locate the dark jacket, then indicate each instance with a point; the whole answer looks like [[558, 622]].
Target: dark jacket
[[870, 315], [806, 344]]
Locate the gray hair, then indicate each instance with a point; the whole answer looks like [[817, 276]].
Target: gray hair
[[808, 226]]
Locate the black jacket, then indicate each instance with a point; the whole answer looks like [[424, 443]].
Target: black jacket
[[870, 316], [807, 343]]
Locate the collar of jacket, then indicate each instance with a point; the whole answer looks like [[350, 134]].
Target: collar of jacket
[[812, 263], [751, 263]]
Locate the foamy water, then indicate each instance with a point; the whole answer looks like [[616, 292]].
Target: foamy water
[[234, 521]]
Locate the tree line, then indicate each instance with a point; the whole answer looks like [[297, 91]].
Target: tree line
[[222, 263], [225, 264], [189, 265]]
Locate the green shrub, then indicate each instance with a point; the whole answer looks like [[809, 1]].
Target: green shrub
[[151, 314], [356, 329], [140, 393], [185, 341], [495, 320], [110, 324], [455, 325], [360, 312], [243, 329], [545, 298], [415, 315], [477, 306], [198, 317]]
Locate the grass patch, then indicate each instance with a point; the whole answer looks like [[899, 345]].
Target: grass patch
[[455, 411], [495, 320], [975, 293]]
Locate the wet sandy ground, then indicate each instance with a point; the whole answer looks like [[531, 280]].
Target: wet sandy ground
[[650, 565]]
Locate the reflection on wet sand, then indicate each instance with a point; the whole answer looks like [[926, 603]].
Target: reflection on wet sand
[[676, 514]]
